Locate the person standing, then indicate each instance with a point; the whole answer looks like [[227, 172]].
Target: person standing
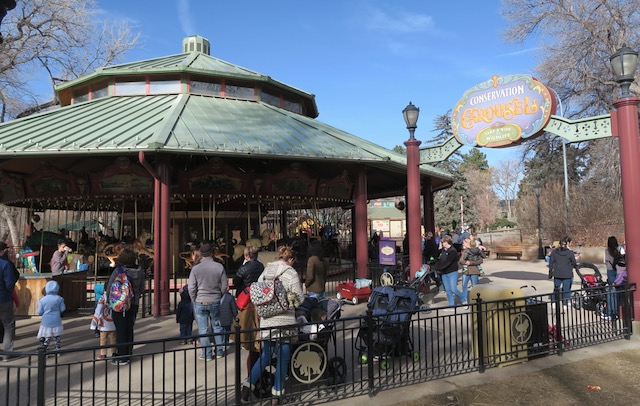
[[447, 266], [125, 320], [59, 259], [316, 275], [184, 315], [250, 270], [562, 262], [279, 331], [7, 284], [471, 260], [612, 257], [207, 284], [430, 251], [50, 307]]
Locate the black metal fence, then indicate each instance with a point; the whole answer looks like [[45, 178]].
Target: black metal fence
[[341, 357]]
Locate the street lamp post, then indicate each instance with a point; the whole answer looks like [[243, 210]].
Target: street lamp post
[[624, 123], [536, 189], [410, 114]]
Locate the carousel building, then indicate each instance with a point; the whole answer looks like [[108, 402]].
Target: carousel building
[[190, 144]]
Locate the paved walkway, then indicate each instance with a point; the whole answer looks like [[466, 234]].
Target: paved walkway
[[507, 273]]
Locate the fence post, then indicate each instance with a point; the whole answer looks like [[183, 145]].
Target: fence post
[[370, 353], [480, 334], [627, 305], [556, 332], [42, 368], [238, 362]]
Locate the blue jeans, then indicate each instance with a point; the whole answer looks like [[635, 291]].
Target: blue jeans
[[205, 314], [450, 281], [283, 355], [465, 282], [565, 283], [612, 301], [186, 330]]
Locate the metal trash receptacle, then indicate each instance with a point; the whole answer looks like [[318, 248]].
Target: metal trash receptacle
[[507, 328]]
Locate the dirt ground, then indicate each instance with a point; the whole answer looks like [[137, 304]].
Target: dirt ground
[[616, 374]]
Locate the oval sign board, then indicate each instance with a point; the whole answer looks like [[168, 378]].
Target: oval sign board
[[502, 111]]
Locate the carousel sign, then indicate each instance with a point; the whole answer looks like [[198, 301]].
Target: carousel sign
[[502, 111]]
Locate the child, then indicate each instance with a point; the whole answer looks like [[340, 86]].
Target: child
[[184, 315], [104, 326], [228, 312], [473, 253], [50, 307]]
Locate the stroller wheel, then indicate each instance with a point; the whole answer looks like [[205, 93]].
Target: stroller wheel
[[337, 371], [354, 300], [339, 296], [576, 300], [362, 359], [384, 364]]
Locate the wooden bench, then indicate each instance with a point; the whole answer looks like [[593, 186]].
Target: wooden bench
[[512, 250]]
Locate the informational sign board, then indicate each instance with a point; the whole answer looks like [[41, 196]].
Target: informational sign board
[[387, 252]]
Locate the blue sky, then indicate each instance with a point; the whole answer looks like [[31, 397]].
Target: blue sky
[[363, 59]]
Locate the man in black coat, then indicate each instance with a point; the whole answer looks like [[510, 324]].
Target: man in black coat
[[249, 271]]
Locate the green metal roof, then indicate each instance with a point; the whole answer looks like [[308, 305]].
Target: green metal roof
[[189, 124], [191, 62]]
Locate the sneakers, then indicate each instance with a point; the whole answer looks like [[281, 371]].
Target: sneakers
[[465, 304], [119, 362], [449, 309], [605, 317], [245, 394], [101, 357], [203, 358]]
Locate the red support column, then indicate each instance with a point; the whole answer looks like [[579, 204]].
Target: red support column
[[165, 232], [627, 127], [157, 250], [360, 220], [413, 205]]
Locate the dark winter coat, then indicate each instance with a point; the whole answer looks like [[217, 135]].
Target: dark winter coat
[[247, 274], [562, 263], [228, 309], [184, 311], [447, 261]]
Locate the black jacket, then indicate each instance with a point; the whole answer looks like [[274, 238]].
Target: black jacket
[[247, 274], [562, 263], [447, 261], [184, 311]]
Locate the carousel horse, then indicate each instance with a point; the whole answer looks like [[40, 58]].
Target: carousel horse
[[112, 250]]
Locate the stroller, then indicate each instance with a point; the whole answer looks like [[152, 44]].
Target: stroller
[[390, 334], [593, 295], [310, 359]]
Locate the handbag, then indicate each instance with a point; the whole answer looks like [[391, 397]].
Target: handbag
[[269, 297], [243, 298]]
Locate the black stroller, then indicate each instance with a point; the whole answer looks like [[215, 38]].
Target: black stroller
[[593, 295], [390, 334], [310, 360]]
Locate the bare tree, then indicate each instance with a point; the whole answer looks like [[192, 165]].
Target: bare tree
[[574, 41], [61, 39], [506, 177]]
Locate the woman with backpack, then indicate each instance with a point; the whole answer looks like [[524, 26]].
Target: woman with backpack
[[124, 289], [613, 256], [277, 336]]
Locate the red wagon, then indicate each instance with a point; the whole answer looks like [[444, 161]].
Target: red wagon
[[348, 291]]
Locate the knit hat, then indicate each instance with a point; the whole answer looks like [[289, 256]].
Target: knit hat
[[206, 250]]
